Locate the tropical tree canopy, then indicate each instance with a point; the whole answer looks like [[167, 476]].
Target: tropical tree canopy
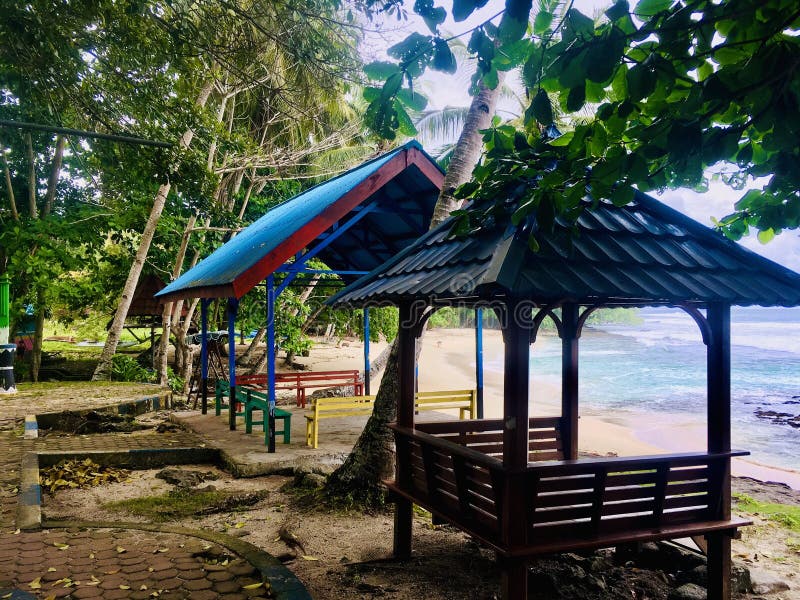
[[680, 90]]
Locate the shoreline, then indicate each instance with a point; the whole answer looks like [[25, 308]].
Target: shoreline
[[447, 361]]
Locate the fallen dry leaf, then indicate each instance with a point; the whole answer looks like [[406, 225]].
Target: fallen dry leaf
[[252, 586], [35, 584]]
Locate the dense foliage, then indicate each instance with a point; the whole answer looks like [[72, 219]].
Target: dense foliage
[[678, 90]]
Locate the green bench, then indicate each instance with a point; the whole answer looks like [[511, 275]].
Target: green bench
[[252, 400]]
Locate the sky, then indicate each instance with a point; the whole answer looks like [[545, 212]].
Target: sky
[[451, 90]]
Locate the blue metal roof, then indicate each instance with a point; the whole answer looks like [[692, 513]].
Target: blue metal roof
[[405, 181]]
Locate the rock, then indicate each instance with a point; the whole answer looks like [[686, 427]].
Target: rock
[[309, 481], [740, 579], [165, 427], [184, 478], [689, 591], [764, 582], [698, 576]]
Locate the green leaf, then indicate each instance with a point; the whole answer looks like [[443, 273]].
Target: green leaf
[[619, 10], [576, 98], [649, 8], [432, 15], [404, 123], [602, 61], [464, 8], [641, 82], [380, 69], [541, 108], [578, 24], [443, 59], [562, 140], [515, 20], [412, 100], [766, 235], [542, 22], [622, 195], [491, 79]]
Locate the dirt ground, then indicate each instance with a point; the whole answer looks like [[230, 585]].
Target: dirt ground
[[347, 555]]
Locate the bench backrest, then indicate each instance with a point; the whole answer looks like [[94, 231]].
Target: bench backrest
[[299, 377], [343, 407]]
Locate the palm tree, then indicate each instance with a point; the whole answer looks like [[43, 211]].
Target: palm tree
[[359, 478]]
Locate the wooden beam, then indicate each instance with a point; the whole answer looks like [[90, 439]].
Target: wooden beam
[[406, 349], [517, 328], [516, 335], [719, 440], [569, 380]]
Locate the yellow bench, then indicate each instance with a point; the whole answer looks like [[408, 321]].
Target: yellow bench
[[464, 400], [356, 406]]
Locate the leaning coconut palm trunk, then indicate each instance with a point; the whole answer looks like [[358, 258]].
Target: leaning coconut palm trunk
[[358, 480]]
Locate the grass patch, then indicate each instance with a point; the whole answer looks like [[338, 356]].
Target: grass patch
[[179, 504], [787, 515], [174, 505]]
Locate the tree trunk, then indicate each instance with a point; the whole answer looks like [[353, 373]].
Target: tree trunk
[[32, 183], [358, 480], [38, 334], [54, 173], [103, 370], [250, 353]]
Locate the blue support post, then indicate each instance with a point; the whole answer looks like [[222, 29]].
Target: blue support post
[[204, 354], [271, 295], [479, 360], [233, 306], [366, 351]]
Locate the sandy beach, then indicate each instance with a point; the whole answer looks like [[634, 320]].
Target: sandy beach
[[447, 361]]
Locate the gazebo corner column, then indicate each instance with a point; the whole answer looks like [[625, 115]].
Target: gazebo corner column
[[270, 416], [406, 348], [517, 336], [204, 354], [569, 380], [233, 307], [719, 440]]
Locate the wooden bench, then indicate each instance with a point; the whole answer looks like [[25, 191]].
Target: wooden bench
[[302, 380], [464, 400], [254, 400], [250, 399], [328, 408], [356, 406]]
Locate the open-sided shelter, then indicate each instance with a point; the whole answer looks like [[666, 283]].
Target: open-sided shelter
[[352, 222], [517, 483]]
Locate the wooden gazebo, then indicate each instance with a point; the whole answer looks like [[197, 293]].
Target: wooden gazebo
[[517, 483]]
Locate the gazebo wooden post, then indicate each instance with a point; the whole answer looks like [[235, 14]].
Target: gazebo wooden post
[[517, 336], [719, 440], [569, 380], [406, 348]]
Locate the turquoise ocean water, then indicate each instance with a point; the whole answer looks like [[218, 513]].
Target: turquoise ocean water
[[659, 367]]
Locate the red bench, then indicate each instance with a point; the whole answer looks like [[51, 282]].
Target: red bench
[[303, 380]]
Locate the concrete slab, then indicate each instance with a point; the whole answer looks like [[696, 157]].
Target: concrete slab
[[245, 455]]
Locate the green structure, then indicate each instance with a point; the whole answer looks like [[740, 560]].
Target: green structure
[[7, 351]]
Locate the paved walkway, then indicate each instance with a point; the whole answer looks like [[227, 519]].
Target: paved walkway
[[120, 564], [97, 561]]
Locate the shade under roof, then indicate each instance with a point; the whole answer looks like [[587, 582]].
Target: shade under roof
[[642, 254], [399, 189]]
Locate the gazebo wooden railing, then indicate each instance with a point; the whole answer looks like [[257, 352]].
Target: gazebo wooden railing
[[556, 505]]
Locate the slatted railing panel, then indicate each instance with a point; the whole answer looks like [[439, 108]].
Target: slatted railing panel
[[454, 481], [603, 497], [486, 436]]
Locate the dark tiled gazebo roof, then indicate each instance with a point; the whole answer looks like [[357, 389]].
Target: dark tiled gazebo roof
[[642, 254]]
